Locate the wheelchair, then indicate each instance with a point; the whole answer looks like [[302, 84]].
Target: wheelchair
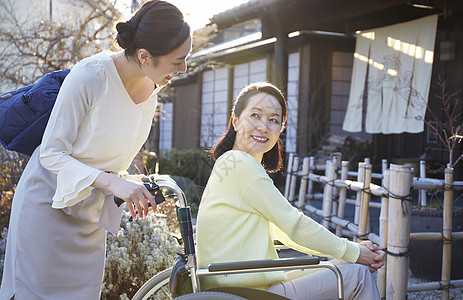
[[157, 288]]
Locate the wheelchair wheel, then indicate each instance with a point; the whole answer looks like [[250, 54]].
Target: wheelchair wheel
[[211, 296], [157, 288]]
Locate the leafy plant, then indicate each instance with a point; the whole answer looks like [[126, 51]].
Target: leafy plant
[[141, 249]]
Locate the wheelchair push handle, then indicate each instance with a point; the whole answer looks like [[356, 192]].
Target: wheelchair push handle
[[154, 183], [152, 187]]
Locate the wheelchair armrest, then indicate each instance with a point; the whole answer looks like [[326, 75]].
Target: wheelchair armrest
[[258, 264]]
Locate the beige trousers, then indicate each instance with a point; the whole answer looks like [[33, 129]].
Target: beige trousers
[[317, 284]]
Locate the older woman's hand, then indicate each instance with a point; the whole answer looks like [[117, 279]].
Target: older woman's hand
[[371, 255]]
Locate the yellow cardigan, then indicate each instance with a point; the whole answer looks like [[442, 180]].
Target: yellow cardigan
[[241, 211]]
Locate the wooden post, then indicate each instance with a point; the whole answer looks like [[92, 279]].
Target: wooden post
[[280, 59], [288, 174], [328, 193], [422, 193], [303, 186], [310, 185], [447, 232], [342, 196], [398, 232], [358, 200], [383, 234], [292, 187], [365, 204]]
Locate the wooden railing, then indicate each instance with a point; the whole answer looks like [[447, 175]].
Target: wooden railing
[[395, 188]]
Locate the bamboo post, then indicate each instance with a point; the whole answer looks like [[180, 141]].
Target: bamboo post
[[383, 234], [358, 199], [328, 193], [342, 196], [422, 193], [336, 157], [447, 232], [304, 179], [370, 176], [384, 165], [310, 183], [288, 174], [398, 231], [336, 160], [292, 186], [365, 204]]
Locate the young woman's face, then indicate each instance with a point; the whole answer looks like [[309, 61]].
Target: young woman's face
[[259, 125], [169, 65]]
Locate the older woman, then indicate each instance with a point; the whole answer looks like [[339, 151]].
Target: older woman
[[241, 211]]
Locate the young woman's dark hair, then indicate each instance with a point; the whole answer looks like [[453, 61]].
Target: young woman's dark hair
[[272, 160], [157, 27]]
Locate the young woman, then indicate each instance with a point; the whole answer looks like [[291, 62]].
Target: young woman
[[63, 204], [242, 211]]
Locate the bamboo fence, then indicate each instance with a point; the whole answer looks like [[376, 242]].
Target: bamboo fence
[[397, 186]]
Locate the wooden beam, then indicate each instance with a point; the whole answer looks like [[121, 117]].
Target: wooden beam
[[328, 15]]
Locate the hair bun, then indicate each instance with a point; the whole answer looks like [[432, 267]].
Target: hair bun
[[125, 34]]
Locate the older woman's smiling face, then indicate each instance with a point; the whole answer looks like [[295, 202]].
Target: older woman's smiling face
[[259, 125]]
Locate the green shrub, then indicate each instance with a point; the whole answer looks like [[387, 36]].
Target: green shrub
[[11, 168], [194, 164], [4, 234]]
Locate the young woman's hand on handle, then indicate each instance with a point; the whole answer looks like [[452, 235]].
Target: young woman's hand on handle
[[133, 193]]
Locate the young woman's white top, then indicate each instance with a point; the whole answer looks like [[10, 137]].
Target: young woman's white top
[[58, 220], [94, 126]]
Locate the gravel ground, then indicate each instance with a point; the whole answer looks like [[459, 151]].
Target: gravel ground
[[455, 294]]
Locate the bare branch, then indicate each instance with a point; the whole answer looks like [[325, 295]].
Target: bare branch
[[31, 49], [448, 128]]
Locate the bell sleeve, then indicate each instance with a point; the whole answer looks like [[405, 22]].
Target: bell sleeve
[[83, 85]]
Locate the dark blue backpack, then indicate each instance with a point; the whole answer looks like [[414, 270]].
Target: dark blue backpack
[[24, 113]]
